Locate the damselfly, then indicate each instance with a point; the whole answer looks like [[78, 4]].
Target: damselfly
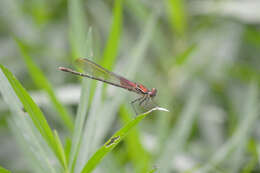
[[96, 72]]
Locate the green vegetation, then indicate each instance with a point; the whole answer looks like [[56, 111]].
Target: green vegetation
[[202, 56]]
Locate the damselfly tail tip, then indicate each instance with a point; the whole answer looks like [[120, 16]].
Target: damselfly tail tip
[[63, 68]]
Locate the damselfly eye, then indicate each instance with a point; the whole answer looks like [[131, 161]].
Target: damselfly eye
[[153, 92]]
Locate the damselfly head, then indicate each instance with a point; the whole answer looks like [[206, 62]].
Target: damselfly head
[[153, 92]]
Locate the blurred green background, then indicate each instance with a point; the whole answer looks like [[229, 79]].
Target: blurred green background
[[202, 56]]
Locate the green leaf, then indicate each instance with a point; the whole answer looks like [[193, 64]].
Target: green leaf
[[88, 140], [114, 140], [42, 82], [81, 111], [78, 28], [67, 147], [244, 72], [252, 163], [111, 48], [60, 149], [33, 110], [21, 124], [184, 56], [177, 15], [3, 170], [139, 156], [81, 45]]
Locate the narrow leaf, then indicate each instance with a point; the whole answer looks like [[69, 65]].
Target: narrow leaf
[[177, 15], [3, 170], [33, 110], [78, 28], [111, 48], [137, 153], [81, 111], [114, 140], [42, 82], [60, 149]]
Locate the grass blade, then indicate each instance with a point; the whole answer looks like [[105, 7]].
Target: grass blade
[[78, 28], [42, 82], [61, 150], [37, 151], [139, 156], [252, 163], [79, 123], [3, 170], [112, 44], [113, 141], [81, 47], [89, 142], [177, 15], [182, 58], [33, 110], [81, 111]]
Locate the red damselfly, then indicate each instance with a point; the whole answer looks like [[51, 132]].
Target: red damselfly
[[96, 72]]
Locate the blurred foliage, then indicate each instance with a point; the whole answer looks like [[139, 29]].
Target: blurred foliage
[[202, 56]]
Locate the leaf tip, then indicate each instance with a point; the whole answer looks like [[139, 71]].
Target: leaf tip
[[161, 109]]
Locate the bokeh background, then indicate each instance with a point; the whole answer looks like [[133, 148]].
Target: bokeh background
[[202, 56]]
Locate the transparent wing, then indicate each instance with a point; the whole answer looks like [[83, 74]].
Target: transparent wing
[[95, 70]]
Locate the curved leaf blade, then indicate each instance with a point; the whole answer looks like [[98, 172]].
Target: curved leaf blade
[[114, 140]]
